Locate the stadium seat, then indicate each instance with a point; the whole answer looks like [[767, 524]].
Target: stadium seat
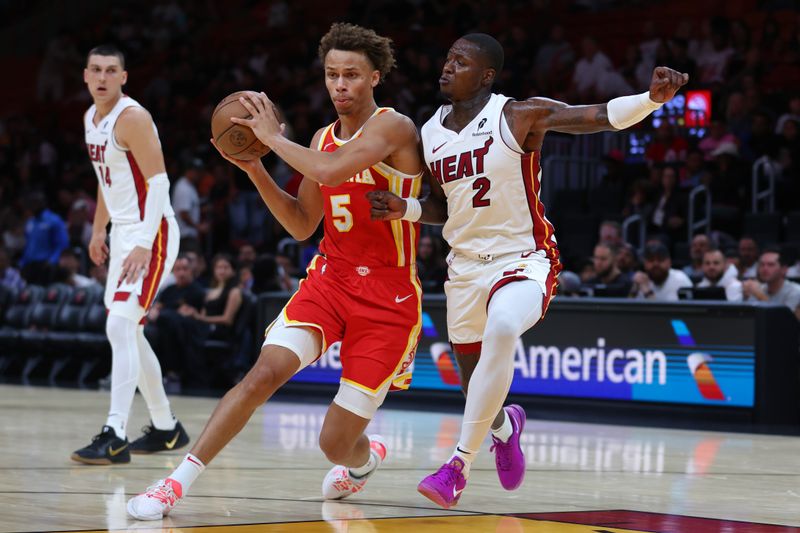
[[61, 342], [31, 340], [17, 318], [92, 341]]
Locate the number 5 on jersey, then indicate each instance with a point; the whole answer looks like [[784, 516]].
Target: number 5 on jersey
[[342, 217]]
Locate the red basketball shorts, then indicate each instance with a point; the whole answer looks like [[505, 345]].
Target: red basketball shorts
[[374, 311]]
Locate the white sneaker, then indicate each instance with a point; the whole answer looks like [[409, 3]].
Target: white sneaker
[[338, 483], [157, 501]]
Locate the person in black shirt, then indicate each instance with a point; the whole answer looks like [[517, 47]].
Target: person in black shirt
[[608, 281], [176, 338]]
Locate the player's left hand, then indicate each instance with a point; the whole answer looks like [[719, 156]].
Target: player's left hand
[[264, 121], [386, 205], [135, 265], [665, 83]]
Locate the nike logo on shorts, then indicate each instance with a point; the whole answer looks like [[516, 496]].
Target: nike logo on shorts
[[399, 300]]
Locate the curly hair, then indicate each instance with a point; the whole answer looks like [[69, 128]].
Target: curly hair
[[350, 37]]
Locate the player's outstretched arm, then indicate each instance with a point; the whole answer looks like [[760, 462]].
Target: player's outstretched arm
[[135, 131], [384, 135], [300, 216], [432, 209], [618, 114]]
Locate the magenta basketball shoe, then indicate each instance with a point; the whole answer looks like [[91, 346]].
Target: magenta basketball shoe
[[444, 487], [508, 458]]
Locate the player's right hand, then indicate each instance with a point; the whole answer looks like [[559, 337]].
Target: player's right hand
[[247, 166], [386, 205], [98, 249]]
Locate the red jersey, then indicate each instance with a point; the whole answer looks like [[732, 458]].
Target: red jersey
[[351, 236]]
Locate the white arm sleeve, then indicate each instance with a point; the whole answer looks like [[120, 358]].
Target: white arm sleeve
[[154, 205], [625, 111]]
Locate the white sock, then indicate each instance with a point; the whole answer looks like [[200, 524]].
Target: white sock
[[505, 430], [188, 471], [371, 464], [117, 423], [466, 456], [152, 386], [125, 369]]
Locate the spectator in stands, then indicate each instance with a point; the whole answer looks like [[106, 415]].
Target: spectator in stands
[[748, 257], [608, 280], [590, 71], [431, 265], [627, 262], [9, 276], [697, 250], [197, 263], [694, 173], [638, 202], [669, 215], [772, 285], [266, 275], [716, 274], [610, 232], [79, 225], [222, 300], [45, 239], [666, 147], [727, 180], [713, 63], [659, 281], [792, 113], [761, 141], [681, 60], [608, 198], [717, 135], [246, 257], [175, 338], [554, 60], [69, 267], [186, 202]]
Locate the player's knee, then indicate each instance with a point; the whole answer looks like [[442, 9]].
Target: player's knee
[[502, 325], [260, 382], [120, 330]]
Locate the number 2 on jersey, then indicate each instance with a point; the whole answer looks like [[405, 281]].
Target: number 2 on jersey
[[482, 185], [342, 217]]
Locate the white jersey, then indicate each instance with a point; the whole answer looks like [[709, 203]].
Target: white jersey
[[492, 186], [123, 185]]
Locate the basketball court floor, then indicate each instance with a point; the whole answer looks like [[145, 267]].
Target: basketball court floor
[[581, 478]]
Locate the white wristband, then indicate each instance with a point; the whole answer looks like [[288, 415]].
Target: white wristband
[[154, 206], [625, 111], [413, 210]]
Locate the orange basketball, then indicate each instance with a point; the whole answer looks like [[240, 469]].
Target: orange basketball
[[235, 140]]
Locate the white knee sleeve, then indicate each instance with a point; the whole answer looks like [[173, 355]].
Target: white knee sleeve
[[306, 345], [359, 402]]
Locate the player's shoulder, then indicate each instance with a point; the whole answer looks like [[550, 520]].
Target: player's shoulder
[[392, 121]]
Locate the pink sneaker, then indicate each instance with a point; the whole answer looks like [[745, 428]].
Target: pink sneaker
[[338, 483], [509, 459], [444, 487], [157, 501]]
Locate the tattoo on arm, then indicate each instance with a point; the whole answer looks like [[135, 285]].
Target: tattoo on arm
[[579, 119]]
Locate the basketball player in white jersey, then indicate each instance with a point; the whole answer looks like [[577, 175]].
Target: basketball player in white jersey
[[133, 194], [484, 152]]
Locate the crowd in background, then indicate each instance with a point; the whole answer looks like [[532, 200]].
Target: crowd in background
[[184, 56]]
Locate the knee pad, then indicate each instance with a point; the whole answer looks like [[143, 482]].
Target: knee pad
[[306, 345], [358, 402]]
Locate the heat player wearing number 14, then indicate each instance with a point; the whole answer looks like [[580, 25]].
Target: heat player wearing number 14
[[361, 289]]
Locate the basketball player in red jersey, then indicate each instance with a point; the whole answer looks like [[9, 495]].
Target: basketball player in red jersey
[[483, 151], [362, 289], [133, 194]]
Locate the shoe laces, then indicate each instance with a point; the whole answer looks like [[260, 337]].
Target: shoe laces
[[502, 455], [163, 492], [449, 472]]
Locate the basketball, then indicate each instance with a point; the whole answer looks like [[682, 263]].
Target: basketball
[[235, 140]]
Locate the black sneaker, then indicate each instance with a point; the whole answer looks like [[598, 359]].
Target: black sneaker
[[160, 440], [106, 449]]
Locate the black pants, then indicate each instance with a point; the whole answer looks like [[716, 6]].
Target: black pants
[[178, 342]]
